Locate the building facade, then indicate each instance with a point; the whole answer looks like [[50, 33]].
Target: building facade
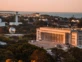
[[60, 35], [2, 24]]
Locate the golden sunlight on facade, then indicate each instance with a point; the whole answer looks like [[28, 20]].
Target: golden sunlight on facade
[[60, 35]]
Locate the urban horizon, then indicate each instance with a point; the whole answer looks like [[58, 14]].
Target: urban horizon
[[41, 31]]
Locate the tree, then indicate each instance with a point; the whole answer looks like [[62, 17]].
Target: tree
[[62, 56], [41, 56], [9, 54], [76, 53], [9, 60], [20, 60], [80, 23]]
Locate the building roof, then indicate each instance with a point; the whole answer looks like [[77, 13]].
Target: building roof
[[61, 29]]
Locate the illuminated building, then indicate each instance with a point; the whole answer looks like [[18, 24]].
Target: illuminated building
[[60, 35]]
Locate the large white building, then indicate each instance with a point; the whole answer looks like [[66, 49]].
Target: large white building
[[60, 35]]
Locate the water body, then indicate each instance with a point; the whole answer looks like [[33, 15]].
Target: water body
[[68, 15], [61, 14]]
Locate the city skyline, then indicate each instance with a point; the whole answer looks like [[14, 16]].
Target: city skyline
[[42, 6]]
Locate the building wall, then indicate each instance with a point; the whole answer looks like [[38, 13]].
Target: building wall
[[52, 35], [79, 43], [74, 39], [2, 24]]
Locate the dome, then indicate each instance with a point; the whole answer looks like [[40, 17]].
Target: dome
[[12, 30]]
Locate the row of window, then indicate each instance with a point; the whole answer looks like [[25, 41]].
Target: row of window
[[52, 37]]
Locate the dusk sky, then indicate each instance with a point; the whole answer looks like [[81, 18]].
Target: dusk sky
[[42, 5]]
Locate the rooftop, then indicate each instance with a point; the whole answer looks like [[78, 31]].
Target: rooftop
[[68, 29]]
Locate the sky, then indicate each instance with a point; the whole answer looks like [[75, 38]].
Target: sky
[[42, 5]]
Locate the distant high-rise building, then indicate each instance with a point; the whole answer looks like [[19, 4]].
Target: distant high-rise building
[[16, 20]]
